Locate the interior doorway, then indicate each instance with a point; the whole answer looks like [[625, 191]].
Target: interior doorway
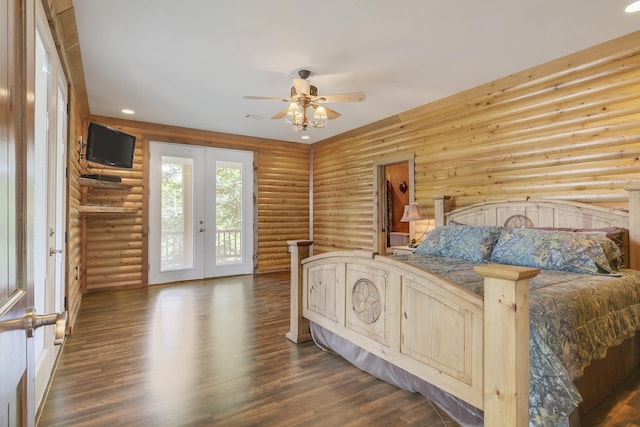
[[394, 187], [396, 198]]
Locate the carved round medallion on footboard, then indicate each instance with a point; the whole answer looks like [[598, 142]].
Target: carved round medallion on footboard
[[366, 302]]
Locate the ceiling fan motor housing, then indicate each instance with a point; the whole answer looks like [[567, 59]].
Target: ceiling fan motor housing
[[312, 89]]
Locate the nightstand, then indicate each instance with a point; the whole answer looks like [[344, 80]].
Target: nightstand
[[401, 250]]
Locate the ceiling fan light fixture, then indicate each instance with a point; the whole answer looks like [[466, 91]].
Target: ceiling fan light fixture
[[320, 114], [293, 110], [304, 96], [319, 117]]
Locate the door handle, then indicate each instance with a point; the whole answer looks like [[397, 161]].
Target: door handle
[[201, 230], [54, 251], [32, 321]]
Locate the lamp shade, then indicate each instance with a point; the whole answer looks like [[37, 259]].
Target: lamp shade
[[411, 213], [320, 113], [293, 110]]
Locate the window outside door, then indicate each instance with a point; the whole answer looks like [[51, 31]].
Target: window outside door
[[201, 212]]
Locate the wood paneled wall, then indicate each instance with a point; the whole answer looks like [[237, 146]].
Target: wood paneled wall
[[109, 250], [74, 230], [116, 244], [568, 129]]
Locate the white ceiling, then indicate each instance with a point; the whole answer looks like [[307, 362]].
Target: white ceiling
[[188, 63]]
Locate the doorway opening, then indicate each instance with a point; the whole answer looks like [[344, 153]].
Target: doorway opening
[[394, 188], [201, 212]]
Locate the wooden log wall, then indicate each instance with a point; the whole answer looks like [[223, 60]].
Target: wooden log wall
[[115, 245], [74, 225], [568, 129], [109, 250]]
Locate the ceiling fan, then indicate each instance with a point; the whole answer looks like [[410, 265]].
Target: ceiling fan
[[304, 96]]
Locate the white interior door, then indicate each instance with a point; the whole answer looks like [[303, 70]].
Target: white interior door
[[201, 212], [16, 290], [49, 197]]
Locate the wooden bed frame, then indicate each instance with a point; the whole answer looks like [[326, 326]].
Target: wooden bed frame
[[387, 306]]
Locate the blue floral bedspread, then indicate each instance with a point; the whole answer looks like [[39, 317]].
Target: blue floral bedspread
[[575, 318]]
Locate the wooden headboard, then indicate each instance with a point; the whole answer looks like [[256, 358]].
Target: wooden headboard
[[549, 213]]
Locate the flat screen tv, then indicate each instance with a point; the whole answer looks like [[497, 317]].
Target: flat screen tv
[[110, 147]]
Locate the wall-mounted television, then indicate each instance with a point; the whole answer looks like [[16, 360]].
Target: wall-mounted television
[[110, 147]]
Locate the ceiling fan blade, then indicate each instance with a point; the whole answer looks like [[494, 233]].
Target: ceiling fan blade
[[302, 86], [343, 97], [281, 114], [267, 98]]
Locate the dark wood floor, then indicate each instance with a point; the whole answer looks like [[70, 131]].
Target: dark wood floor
[[213, 352], [620, 410]]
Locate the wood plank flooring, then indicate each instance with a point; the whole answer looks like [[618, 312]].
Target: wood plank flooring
[[620, 410], [213, 353]]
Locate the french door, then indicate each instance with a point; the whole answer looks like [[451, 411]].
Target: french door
[[200, 212], [49, 196]]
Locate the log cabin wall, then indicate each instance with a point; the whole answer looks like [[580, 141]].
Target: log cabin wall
[[568, 129], [74, 224], [109, 251], [115, 245]]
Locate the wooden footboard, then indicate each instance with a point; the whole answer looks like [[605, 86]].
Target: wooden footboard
[[475, 349]]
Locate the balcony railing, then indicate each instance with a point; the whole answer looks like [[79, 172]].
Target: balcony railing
[[228, 247]]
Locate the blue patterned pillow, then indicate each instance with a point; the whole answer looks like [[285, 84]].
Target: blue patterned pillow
[[471, 243], [556, 250]]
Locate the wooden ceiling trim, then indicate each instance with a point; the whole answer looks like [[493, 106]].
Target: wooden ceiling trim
[[62, 21]]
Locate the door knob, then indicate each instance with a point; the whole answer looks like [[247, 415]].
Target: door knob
[[54, 251], [32, 321]]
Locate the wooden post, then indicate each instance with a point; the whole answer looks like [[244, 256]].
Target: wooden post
[[441, 205], [299, 326], [634, 227], [506, 344]]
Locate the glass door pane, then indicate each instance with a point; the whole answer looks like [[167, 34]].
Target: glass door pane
[[228, 212], [176, 217]]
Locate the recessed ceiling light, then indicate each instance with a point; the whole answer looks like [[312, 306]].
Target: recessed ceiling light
[[127, 111], [633, 7], [304, 137]]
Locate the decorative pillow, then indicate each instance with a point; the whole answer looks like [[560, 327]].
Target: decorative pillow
[[471, 243], [617, 235], [556, 250]]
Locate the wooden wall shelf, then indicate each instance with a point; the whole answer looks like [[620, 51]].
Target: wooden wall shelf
[[105, 185], [97, 183]]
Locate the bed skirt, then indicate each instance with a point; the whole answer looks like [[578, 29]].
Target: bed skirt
[[465, 414]]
